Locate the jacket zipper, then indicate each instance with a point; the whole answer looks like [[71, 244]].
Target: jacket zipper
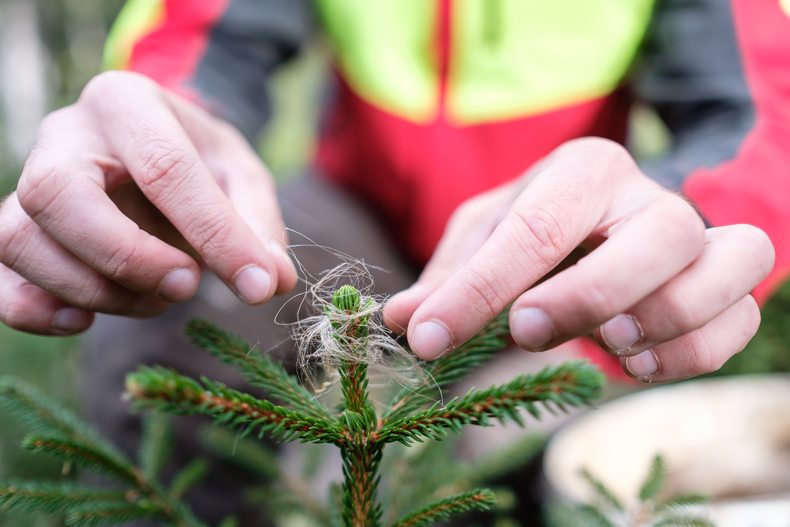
[[444, 40]]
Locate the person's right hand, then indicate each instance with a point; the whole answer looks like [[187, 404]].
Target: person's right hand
[[115, 183]]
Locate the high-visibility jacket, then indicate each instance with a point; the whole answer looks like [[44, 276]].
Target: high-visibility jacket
[[439, 100]]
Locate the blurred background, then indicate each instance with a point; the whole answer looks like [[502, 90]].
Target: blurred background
[[49, 49]]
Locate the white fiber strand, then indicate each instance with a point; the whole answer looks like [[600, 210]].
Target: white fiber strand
[[315, 335]]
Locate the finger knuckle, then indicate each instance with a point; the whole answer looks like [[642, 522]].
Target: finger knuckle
[[39, 187], [602, 150], [539, 234], [103, 88], [33, 175], [487, 294], [687, 227], [211, 235], [601, 145], [703, 357], [690, 227], [164, 168], [100, 83], [680, 227], [52, 122], [16, 311], [8, 228], [14, 239], [14, 314], [122, 263]]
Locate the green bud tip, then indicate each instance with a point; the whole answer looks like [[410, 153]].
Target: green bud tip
[[347, 298]]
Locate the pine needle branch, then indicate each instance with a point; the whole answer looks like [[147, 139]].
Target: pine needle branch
[[572, 384], [84, 456], [590, 516], [94, 514], [450, 368], [156, 444], [48, 498], [602, 493], [259, 370], [46, 416], [360, 485], [356, 431], [654, 481], [606, 509], [167, 391], [480, 499], [63, 435], [188, 477], [565, 515], [461, 362], [682, 501], [354, 387]]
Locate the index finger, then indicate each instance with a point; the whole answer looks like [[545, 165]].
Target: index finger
[[560, 208], [166, 166]]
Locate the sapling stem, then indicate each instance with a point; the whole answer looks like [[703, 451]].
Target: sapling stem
[[361, 455]]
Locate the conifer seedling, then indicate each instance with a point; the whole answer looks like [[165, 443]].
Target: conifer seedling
[[346, 342], [649, 509]]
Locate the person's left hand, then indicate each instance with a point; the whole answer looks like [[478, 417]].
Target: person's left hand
[[657, 289]]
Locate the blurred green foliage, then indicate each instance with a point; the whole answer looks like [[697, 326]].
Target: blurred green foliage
[[769, 350], [51, 364], [72, 33]]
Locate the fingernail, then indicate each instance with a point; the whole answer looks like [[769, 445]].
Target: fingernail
[[622, 332], [253, 284], [70, 319], [642, 366], [531, 328], [179, 285], [431, 340]]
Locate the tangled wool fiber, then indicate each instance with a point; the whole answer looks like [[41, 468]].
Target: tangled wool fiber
[[333, 337]]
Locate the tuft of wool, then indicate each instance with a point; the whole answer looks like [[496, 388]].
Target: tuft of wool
[[327, 339]]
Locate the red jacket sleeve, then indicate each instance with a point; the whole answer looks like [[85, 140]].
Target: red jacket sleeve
[[754, 188], [220, 53]]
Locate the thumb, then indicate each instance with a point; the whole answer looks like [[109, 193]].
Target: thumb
[[469, 227]]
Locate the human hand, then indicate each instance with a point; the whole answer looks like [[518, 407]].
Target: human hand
[[657, 289], [114, 177]]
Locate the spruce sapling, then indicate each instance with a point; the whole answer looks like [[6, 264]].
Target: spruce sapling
[[344, 333], [356, 429], [648, 510]]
